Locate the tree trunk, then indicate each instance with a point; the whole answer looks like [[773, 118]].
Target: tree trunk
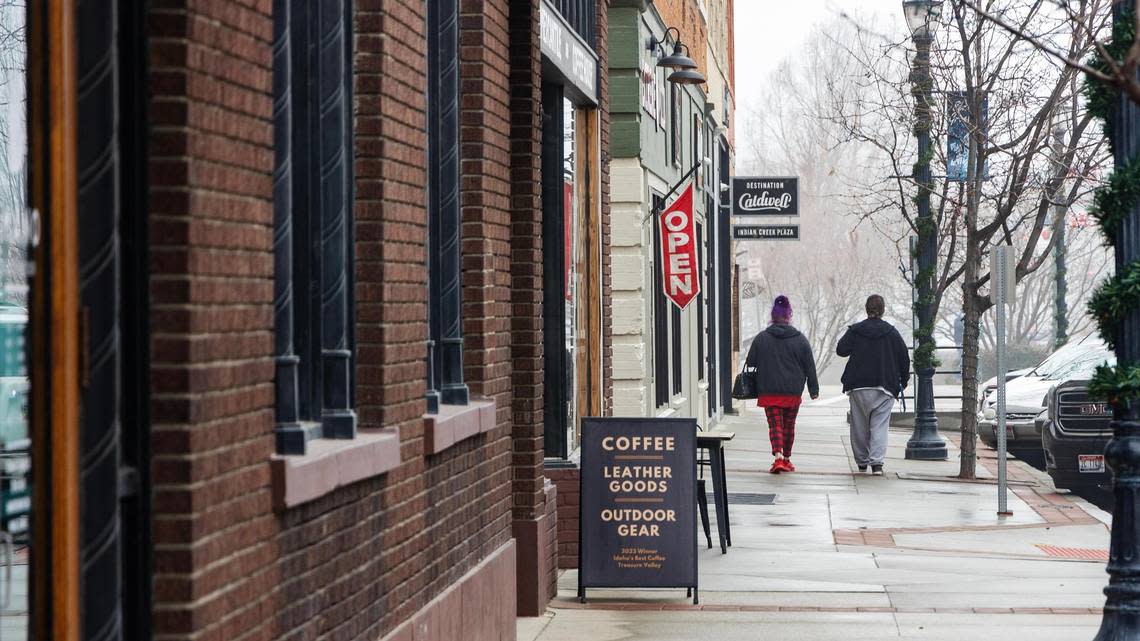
[[971, 309]]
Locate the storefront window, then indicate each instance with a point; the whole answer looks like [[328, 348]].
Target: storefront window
[[16, 236], [570, 247]]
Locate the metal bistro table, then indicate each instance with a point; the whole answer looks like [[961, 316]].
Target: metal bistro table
[[714, 442]]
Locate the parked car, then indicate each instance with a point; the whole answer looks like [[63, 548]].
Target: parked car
[[1025, 399], [15, 445], [1075, 432]]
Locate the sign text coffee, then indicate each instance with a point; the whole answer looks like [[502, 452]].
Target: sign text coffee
[[638, 520]]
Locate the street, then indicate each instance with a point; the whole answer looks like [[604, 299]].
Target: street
[[843, 555]]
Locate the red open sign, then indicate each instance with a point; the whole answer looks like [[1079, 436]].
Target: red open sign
[[681, 275]]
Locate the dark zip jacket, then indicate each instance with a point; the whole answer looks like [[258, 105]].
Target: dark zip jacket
[[877, 357], [783, 361]]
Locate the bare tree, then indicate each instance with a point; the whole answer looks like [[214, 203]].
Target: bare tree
[[15, 224], [1089, 261], [1014, 101], [830, 273]]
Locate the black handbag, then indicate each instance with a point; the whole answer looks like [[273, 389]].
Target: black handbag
[[744, 387]]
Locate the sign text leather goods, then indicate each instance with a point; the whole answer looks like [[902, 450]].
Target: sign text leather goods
[[680, 272], [763, 196], [638, 498]]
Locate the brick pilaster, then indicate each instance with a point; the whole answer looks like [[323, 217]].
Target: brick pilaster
[[210, 233]]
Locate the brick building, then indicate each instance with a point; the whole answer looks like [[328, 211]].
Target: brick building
[[318, 291]]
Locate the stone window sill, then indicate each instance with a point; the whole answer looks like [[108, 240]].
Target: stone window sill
[[330, 464], [456, 423]]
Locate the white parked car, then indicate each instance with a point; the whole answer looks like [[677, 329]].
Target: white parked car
[[1026, 395]]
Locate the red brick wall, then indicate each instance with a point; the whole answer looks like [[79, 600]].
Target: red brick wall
[[685, 15], [365, 558], [550, 523], [211, 319], [568, 481], [526, 260]]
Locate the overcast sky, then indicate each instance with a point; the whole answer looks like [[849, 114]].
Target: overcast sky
[[767, 31]]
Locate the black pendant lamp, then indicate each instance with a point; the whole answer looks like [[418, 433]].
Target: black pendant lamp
[[687, 77], [685, 68]]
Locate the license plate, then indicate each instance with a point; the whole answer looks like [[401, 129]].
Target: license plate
[[1090, 463], [1098, 409]]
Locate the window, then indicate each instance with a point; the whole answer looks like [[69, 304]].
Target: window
[[700, 306], [675, 123], [312, 241], [660, 318], [445, 339], [698, 177]]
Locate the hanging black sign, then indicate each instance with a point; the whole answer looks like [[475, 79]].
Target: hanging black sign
[[637, 527], [764, 196], [766, 232]]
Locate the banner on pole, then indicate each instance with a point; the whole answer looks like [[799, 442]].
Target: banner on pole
[[679, 267], [960, 124]]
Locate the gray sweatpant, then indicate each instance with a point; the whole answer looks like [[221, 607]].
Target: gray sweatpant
[[870, 421]]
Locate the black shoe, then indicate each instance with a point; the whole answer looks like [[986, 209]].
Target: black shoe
[[863, 468], [877, 470]]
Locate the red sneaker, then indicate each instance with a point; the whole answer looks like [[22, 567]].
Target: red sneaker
[[777, 466], [788, 467]]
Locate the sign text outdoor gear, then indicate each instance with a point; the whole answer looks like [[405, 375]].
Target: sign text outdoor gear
[[638, 497], [679, 268], [764, 196]]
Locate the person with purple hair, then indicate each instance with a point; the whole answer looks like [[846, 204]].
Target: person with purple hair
[[783, 362]]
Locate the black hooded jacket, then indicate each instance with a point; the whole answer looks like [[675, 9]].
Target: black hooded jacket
[[878, 357], [783, 361]]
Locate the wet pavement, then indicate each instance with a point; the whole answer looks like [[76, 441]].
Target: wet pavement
[[914, 554]]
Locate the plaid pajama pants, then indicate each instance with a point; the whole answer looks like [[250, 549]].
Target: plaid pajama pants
[[781, 428]]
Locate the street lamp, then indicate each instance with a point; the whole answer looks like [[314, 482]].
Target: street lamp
[[924, 443], [1121, 619]]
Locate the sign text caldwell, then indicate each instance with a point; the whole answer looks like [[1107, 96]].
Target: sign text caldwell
[[760, 196], [638, 523]]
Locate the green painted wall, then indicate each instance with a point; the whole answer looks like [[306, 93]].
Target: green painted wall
[[636, 132]]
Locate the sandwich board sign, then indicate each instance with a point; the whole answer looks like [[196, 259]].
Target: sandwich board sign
[[637, 521]]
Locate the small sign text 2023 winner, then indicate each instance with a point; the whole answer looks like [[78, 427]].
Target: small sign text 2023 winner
[[638, 497]]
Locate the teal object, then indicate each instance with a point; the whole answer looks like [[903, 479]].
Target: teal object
[[13, 377]]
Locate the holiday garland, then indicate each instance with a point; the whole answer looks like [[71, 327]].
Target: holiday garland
[[1118, 296], [926, 229]]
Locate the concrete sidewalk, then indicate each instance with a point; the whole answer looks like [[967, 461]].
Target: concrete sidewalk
[[841, 555]]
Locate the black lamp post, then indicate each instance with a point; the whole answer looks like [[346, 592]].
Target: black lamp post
[[924, 443], [1122, 606]]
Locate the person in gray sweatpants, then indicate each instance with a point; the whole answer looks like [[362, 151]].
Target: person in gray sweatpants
[[878, 368]]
